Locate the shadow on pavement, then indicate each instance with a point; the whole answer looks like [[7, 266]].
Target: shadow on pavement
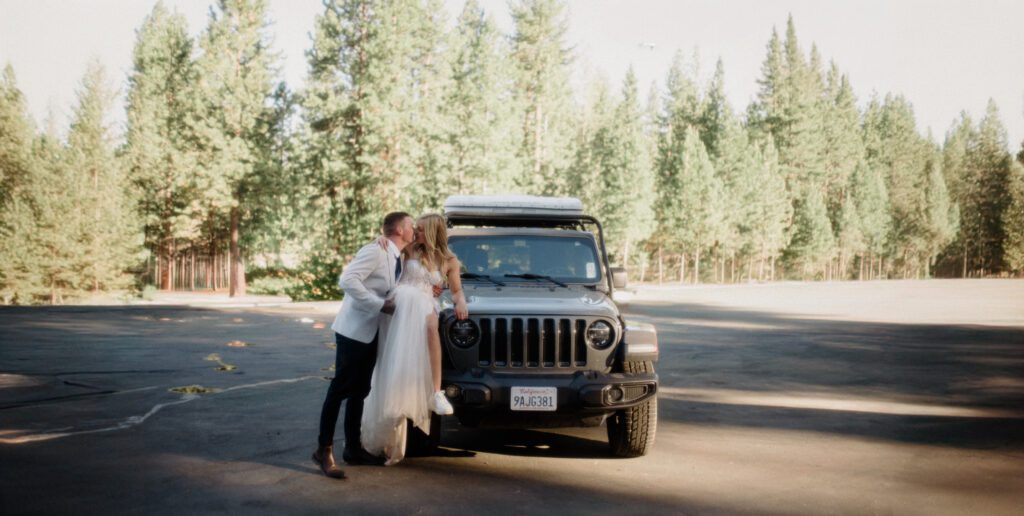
[[909, 383], [525, 443]]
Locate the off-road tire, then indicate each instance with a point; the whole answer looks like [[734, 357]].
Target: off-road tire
[[631, 430], [418, 444]]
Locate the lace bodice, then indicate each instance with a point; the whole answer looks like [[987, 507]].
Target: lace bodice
[[414, 273]]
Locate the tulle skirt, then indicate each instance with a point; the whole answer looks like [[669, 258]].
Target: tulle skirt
[[402, 382]]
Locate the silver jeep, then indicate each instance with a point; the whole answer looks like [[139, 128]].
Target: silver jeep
[[545, 344]]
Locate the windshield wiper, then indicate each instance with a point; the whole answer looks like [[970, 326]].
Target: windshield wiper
[[537, 276], [473, 275]]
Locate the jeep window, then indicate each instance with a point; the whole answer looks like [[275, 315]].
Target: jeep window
[[566, 259]]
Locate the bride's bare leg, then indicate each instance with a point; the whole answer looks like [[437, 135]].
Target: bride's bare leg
[[434, 347]]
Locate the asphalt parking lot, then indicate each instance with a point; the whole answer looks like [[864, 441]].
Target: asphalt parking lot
[[879, 397]]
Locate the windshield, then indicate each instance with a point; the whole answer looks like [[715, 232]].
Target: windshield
[[565, 259]]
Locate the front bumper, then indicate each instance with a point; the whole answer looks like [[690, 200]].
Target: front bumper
[[482, 392]]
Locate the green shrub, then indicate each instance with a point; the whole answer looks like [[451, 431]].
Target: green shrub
[[316, 280]]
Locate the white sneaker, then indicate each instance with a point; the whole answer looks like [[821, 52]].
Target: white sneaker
[[439, 404]]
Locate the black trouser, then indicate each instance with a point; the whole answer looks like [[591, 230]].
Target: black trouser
[[353, 369]]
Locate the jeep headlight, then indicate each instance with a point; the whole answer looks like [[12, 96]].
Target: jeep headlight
[[600, 334], [464, 333]]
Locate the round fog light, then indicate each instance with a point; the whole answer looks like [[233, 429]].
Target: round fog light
[[615, 394], [452, 391]]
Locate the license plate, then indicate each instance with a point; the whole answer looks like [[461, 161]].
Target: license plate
[[535, 398]]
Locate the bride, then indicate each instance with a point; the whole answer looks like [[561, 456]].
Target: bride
[[406, 382]]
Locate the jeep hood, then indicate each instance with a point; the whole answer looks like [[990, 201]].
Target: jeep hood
[[535, 300]]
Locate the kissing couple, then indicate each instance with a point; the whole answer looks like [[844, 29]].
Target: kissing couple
[[388, 357]]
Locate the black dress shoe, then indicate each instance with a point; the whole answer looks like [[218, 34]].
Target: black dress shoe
[[361, 457]]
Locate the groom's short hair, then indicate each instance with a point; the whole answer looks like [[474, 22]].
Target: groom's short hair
[[391, 222]]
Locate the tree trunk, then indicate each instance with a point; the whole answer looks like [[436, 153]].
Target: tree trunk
[[760, 266], [211, 267], [236, 278], [963, 274], [661, 267], [537, 139], [682, 268], [167, 271], [696, 267], [626, 253]]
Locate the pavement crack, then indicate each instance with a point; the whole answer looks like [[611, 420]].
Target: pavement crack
[[137, 420], [76, 384], [54, 399]]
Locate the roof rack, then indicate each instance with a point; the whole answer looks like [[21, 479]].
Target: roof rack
[[527, 206]]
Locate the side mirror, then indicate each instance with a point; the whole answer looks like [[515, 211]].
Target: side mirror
[[619, 277]]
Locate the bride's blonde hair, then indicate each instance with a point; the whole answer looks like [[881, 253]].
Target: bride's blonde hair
[[435, 239]]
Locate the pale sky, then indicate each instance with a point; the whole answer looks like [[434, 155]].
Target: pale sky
[[944, 56]]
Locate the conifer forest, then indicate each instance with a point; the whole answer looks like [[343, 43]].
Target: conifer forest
[[223, 176]]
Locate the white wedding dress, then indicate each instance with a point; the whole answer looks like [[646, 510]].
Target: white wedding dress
[[402, 383]]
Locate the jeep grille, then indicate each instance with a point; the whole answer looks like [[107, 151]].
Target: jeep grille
[[532, 342]]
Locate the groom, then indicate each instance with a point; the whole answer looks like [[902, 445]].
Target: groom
[[367, 281]]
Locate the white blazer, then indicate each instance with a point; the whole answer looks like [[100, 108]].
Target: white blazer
[[367, 281]]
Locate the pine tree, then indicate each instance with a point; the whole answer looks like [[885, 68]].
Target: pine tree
[[985, 195], [680, 113], [954, 153], [612, 171], [158, 154], [542, 81], [15, 137], [272, 215], [772, 214], [632, 177], [232, 94], [372, 94], [682, 105], [110, 238], [871, 198], [17, 168], [45, 236], [764, 115], [850, 241], [593, 143], [800, 137], [338, 188], [486, 126], [651, 137], [791, 109], [954, 169], [431, 123], [716, 111], [735, 162], [700, 196], [942, 220], [894, 147], [812, 243], [1013, 221], [844, 147]]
